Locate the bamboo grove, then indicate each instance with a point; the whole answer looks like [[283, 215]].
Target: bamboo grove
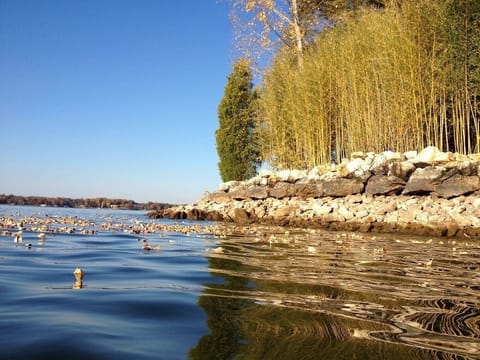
[[397, 78]]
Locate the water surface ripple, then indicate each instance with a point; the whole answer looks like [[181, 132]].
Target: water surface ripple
[[408, 296], [251, 293]]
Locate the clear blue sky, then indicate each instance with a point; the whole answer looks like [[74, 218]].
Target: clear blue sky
[[114, 98]]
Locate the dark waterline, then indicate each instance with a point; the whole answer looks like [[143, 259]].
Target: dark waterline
[[265, 296]]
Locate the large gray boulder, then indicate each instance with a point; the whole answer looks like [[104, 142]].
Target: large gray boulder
[[258, 192], [282, 190], [458, 185], [307, 191], [341, 187], [238, 193], [424, 180], [384, 185], [465, 167]]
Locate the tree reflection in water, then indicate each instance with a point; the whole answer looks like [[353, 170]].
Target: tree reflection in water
[[280, 301]]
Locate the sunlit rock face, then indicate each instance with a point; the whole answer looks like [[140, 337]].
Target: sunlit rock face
[[387, 173], [431, 192], [385, 185], [424, 180]]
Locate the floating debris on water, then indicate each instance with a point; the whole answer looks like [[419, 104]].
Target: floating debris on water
[[79, 274], [17, 237], [148, 247], [217, 250], [347, 275], [73, 225]]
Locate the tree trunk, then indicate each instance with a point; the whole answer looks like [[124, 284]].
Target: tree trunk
[[298, 33]]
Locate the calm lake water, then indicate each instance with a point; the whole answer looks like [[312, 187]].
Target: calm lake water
[[265, 294]]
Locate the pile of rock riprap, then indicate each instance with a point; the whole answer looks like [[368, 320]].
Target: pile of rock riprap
[[428, 193]]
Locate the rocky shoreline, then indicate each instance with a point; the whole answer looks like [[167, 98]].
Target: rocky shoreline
[[430, 193]]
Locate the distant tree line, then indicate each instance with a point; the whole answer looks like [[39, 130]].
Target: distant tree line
[[100, 202]]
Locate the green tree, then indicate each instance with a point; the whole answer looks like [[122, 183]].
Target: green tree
[[235, 137]]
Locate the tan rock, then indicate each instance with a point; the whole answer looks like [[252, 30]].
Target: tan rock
[[282, 190], [241, 216], [285, 211], [307, 190], [258, 192]]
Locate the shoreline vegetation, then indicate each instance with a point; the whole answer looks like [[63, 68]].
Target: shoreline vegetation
[[382, 75], [89, 203], [345, 78], [430, 193]]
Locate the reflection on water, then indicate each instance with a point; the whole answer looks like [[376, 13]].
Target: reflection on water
[[310, 295], [250, 293]]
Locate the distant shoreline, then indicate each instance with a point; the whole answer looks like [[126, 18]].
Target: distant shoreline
[[85, 203]]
